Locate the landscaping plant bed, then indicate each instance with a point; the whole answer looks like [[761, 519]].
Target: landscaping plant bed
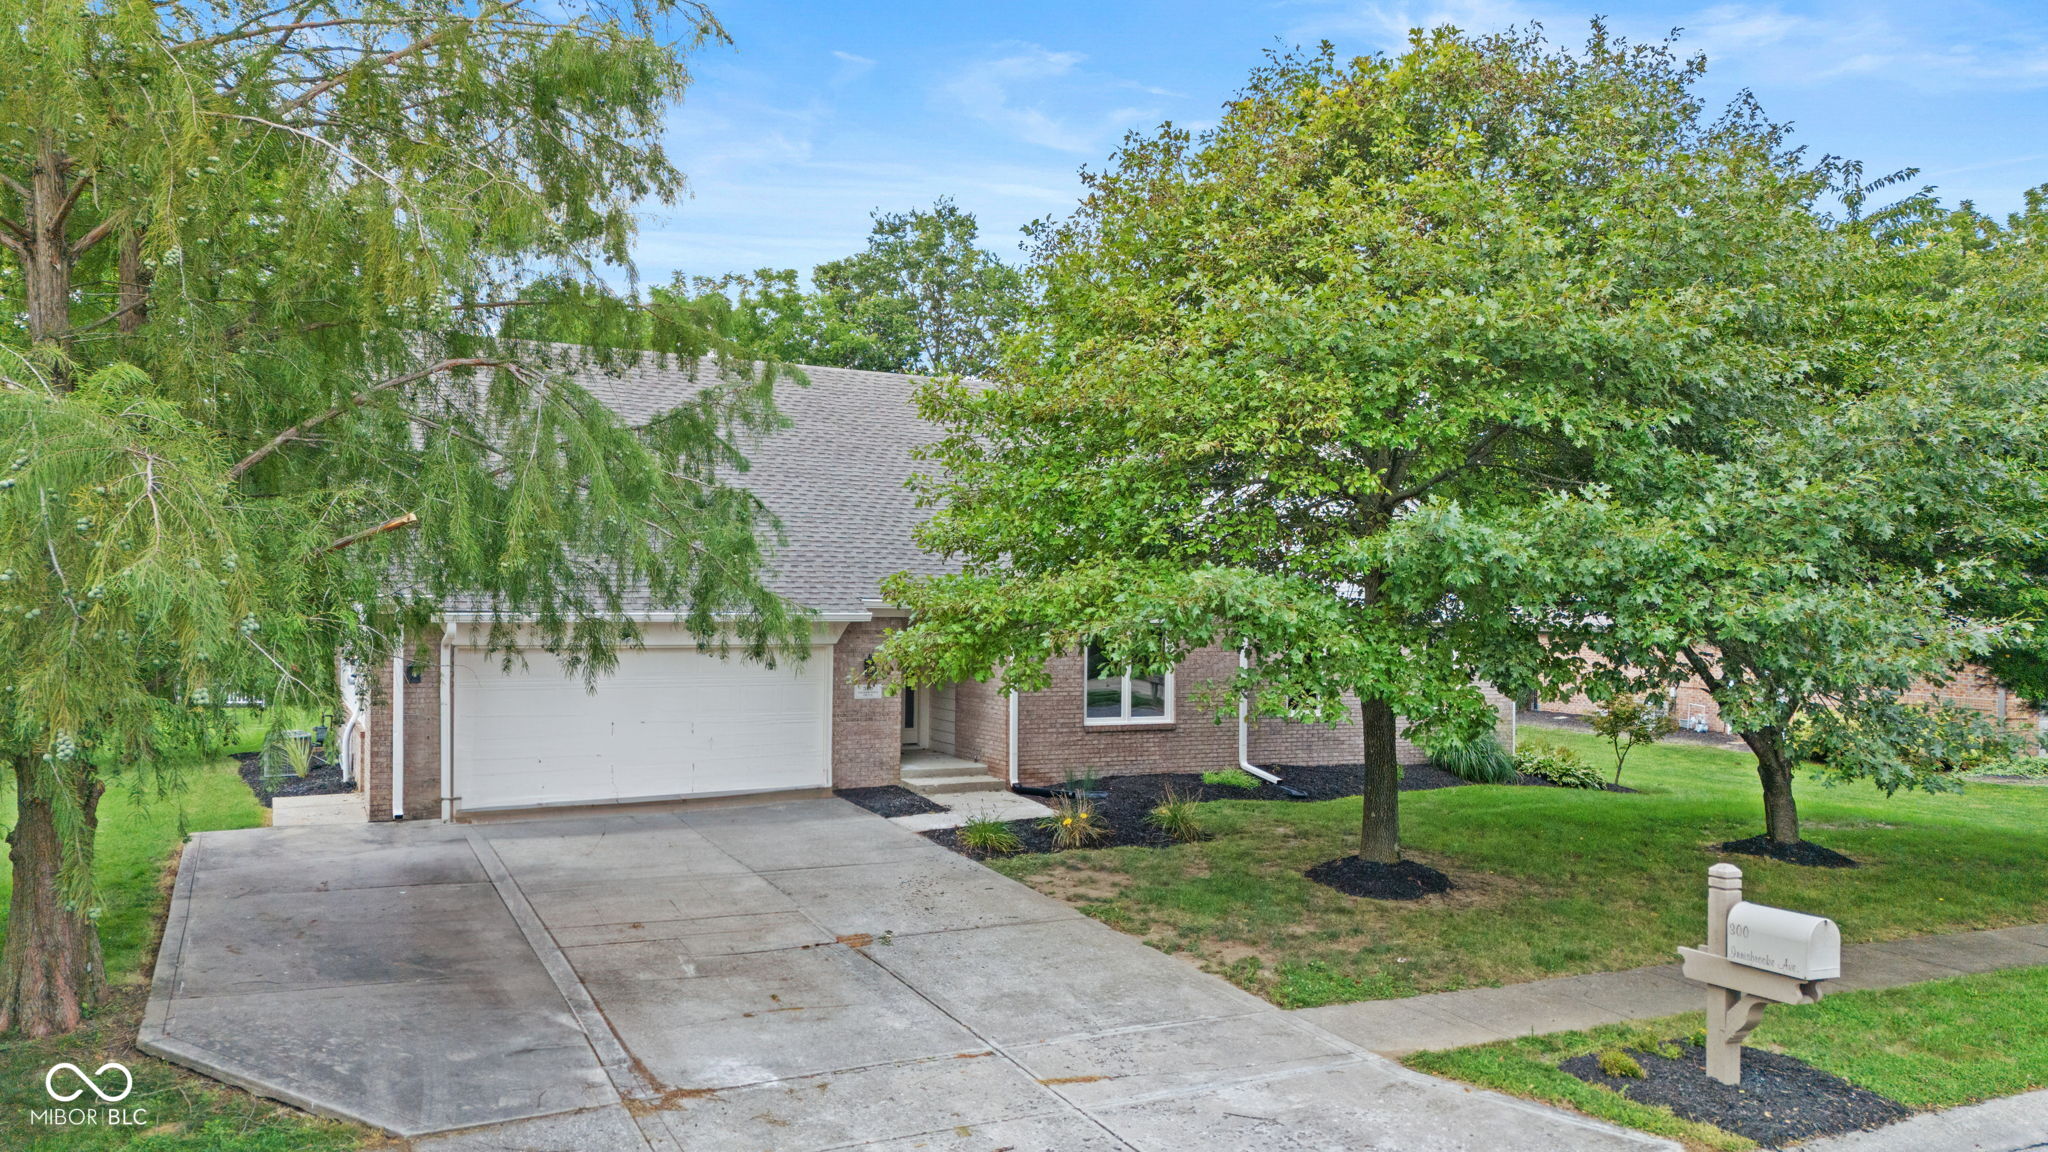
[[1402, 880], [320, 780], [1802, 853], [1781, 1099], [1124, 801], [889, 800]]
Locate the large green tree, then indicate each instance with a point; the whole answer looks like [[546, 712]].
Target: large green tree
[[921, 297], [1815, 552], [1376, 285], [923, 290], [253, 410]]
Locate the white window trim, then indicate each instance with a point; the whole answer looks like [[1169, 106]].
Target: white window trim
[[1126, 720]]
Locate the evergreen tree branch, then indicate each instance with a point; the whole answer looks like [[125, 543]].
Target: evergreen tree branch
[[90, 240], [70, 201], [405, 521], [299, 430]]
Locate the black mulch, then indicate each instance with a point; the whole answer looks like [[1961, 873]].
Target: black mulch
[[320, 780], [1405, 880], [1335, 781], [1781, 1099], [889, 800], [1128, 799], [1809, 855]]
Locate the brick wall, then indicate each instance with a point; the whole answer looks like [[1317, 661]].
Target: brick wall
[[422, 741], [1972, 688], [1288, 742], [1054, 743], [981, 726], [867, 735]]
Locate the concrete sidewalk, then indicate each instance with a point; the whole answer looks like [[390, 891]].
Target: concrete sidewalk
[[1571, 1003], [2014, 1124]]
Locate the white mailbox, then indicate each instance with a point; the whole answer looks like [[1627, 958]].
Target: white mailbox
[[1786, 942]]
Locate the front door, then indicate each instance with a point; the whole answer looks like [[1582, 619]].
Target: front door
[[911, 738]]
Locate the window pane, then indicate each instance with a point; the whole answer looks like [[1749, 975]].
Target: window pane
[[1104, 690], [1148, 695]]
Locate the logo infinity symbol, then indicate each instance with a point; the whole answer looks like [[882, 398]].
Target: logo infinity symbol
[[50, 1085]]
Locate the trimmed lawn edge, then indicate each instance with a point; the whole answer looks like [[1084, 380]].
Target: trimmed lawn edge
[[1955, 1041]]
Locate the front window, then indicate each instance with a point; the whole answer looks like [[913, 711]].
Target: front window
[[1112, 695]]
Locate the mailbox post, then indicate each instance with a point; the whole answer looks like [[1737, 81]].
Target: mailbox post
[[1755, 956]]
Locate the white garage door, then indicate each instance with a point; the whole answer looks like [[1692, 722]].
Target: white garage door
[[670, 722]]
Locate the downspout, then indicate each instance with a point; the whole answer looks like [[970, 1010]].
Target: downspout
[[447, 720], [1244, 738], [398, 731], [1013, 737]]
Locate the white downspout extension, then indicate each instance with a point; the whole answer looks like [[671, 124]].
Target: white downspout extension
[[1013, 737], [398, 732], [447, 720], [1244, 730]]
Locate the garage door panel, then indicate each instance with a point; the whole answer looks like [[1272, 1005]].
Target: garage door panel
[[668, 722]]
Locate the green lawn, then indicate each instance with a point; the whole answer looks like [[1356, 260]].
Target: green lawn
[[1553, 881], [188, 1113], [1933, 1045]]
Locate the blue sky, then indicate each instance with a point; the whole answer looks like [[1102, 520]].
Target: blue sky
[[821, 112]]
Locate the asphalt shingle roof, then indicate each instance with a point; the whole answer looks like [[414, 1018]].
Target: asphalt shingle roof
[[836, 477]]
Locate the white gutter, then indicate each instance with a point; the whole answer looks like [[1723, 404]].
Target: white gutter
[[1013, 737], [398, 731], [1244, 730], [447, 720]]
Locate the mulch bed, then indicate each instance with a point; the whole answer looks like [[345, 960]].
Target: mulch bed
[[1336, 781], [320, 780], [1404, 880], [1802, 853], [889, 800], [1781, 1099], [1127, 800]]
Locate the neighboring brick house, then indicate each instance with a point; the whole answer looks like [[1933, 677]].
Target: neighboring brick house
[[1972, 688], [673, 722]]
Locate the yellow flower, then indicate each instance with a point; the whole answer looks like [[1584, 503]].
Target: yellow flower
[[1068, 820]]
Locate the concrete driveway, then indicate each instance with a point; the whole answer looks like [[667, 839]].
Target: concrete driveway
[[789, 976]]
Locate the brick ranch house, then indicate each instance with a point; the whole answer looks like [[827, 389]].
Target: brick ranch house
[[1973, 688], [672, 723]]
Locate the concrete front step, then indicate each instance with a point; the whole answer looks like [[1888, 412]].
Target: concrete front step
[[947, 785]]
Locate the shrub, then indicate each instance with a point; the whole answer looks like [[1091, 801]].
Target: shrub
[[1074, 824], [1480, 761], [298, 752], [1177, 817], [1236, 778], [1559, 766], [1620, 1064], [1627, 721], [287, 752], [988, 836]]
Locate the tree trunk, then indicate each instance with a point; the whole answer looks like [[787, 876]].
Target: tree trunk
[[46, 267], [132, 303], [50, 967], [1781, 815], [1380, 838]]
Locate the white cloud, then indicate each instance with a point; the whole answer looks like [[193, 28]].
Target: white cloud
[[1386, 26], [1923, 46], [851, 67], [1023, 92], [1927, 47]]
